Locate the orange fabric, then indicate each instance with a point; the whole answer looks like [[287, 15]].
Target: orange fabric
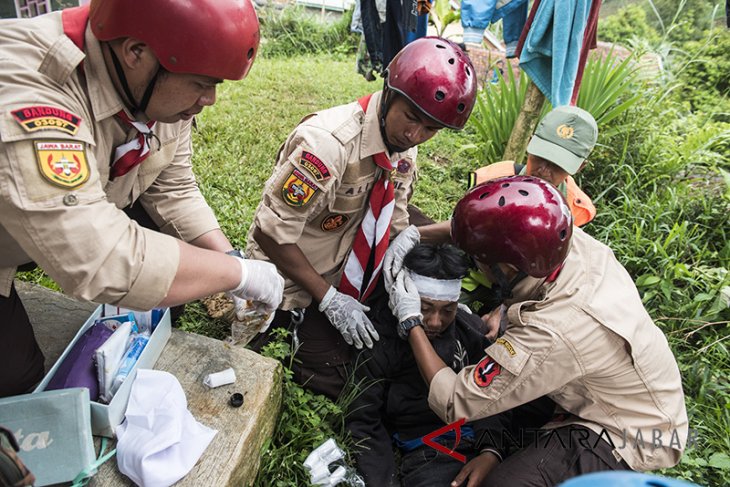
[[580, 204]]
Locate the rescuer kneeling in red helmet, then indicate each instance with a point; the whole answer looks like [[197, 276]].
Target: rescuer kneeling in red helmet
[[576, 332], [338, 195], [96, 112]]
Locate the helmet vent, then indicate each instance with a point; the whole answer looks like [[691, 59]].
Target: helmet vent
[[440, 46], [249, 54], [528, 180], [563, 232], [451, 61], [460, 107], [505, 185], [440, 95], [173, 60], [484, 195], [468, 71], [501, 201], [523, 192]]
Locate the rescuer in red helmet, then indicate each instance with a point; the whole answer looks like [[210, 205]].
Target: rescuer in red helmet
[[96, 111], [576, 332], [339, 194]]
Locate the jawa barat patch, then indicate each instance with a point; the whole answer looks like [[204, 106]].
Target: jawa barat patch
[[47, 118], [314, 165], [485, 371], [62, 163], [298, 189]]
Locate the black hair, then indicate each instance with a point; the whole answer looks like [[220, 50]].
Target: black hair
[[442, 261]]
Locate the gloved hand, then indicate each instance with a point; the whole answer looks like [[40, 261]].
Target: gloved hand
[[261, 284], [397, 250], [405, 302], [348, 316]]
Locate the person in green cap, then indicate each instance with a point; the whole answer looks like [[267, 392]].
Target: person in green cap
[[558, 149]]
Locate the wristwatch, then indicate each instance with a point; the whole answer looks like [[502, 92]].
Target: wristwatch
[[236, 253], [405, 326]]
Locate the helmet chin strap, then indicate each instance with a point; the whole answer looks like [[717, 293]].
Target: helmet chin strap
[[385, 103], [505, 285], [142, 106]]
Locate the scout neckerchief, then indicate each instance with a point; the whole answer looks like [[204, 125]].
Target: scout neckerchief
[[130, 154], [371, 240]]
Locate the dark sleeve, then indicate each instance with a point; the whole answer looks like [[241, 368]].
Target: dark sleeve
[[372, 450]]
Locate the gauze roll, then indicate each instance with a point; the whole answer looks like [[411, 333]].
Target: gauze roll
[[221, 378]]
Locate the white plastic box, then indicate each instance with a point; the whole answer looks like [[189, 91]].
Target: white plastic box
[[106, 417]]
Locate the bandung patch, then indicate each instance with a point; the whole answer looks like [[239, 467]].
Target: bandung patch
[[47, 118], [61, 163], [333, 222], [485, 371], [314, 165], [298, 189]]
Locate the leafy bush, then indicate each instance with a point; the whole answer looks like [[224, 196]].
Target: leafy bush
[[628, 23], [706, 77], [294, 31]]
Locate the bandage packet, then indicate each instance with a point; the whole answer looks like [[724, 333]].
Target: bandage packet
[[108, 357]]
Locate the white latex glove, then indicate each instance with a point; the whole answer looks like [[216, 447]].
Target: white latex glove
[[397, 250], [261, 284], [241, 307], [404, 302], [348, 316]]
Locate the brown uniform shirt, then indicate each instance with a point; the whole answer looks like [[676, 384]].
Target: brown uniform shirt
[[77, 232], [318, 194], [587, 342]]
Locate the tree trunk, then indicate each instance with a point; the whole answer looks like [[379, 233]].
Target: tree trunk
[[525, 124]]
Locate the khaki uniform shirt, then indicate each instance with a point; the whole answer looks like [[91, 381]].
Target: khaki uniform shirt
[[587, 342], [77, 233], [318, 194]]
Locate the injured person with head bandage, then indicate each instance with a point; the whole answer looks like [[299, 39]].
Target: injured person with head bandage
[[390, 415]]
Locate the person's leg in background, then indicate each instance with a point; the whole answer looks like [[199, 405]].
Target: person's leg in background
[[21, 359], [512, 25]]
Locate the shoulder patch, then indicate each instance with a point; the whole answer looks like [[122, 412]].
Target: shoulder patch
[[314, 165], [507, 346], [43, 117], [333, 222], [62, 163], [298, 189], [485, 371], [403, 166]]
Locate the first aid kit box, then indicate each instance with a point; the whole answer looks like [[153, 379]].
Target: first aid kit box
[[106, 417]]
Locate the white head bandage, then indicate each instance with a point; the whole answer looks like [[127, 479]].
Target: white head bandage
[[436, 289]]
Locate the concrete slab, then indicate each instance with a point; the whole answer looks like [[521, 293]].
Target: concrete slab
[[233, 456]]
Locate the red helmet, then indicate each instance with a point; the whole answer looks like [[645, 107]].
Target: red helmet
[[437, 77], [216, 38], [518, 220]]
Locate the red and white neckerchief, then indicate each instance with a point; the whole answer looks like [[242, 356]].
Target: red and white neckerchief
[[373, 236], [129, 155]]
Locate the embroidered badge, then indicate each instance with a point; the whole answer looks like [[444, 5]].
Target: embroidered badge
[[404, 166], [298, 189], [333, 222], [565, 131], [485, 371], [507, 345], [314, 165], [62, 163], [47, 118]]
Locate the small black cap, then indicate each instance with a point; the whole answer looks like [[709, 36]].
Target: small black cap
[[236, 400]]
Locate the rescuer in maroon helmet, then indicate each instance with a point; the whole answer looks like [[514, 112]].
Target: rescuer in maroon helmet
[[339, 193], [575, 331]]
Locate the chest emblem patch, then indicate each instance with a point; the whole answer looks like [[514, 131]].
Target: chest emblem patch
[[298, 189], [314, 165], [63, 164], [485, 371], [403, 166], [47, 118], [333, 222]]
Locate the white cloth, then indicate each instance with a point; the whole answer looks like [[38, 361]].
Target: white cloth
[[160, 441]]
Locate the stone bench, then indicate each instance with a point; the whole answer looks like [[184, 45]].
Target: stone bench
[[234, 454]]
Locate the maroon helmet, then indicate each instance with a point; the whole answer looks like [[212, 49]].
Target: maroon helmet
[[437, 77], [518, 220], [216, 38]]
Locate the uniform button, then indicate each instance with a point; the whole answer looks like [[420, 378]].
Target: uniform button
[[71, 200]]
